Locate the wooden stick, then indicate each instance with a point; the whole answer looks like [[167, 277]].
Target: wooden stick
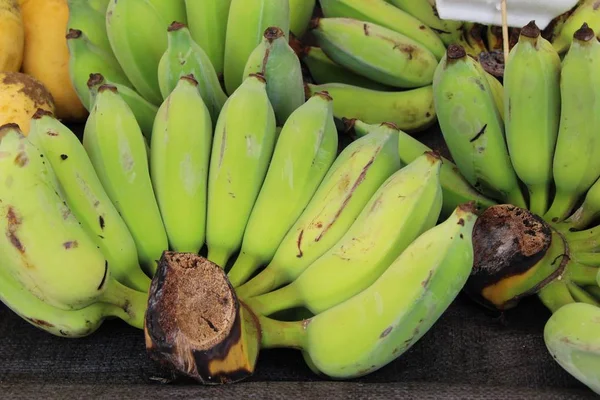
[[505, 31]]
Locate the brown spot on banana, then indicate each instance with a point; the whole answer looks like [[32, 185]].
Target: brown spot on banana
[[103, 281], [40, 322], [21, 159], [385, 332], [14, 221], [73, 244], [299, 241]]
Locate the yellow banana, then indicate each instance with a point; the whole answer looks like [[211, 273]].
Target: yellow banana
[[12, 36]]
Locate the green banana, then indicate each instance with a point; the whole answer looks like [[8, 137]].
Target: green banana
[[456, 190], [355, 175], [305, 150], [87, 199], [84, 59], [300, 13], [474, 131], [532, 110], [277, 62], [184, 57], [589, 211], [577, 154], [98, 5], [207, 21], [386, 15], [360, 335], [179, 157], [586, 11], [115, 145], [241, 151], [410, 110], [93, 22], [137, 34], [571, 336], [367, 50], [412, 198], [498, 93], [246, 24]]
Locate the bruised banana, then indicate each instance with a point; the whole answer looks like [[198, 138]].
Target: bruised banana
[[366, 49], [412, 198], [184, 57], [115, 145], [355, 175], [431, 272], [305, 150], [83, 16], [300, 14], [278, 63], [179, 157], [242, 147], [474, 132], [588, 12], [410, 110]]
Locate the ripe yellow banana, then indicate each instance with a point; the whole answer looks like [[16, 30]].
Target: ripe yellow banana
[[586, 11], [12, 36], [300, 13]]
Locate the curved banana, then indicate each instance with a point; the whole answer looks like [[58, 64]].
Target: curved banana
[[586, 12], [12, 40], [386, 15], [474, 131], [184, 57], [361, 335], [410, 110], [207, 21], [137, 34], [301, 12], [115, 145], [532, 110], [412, 198], [83, 16], [241, 151], [246, 24], [355, 175], [179, 157], [366, 49], [589, 211], [577, 154], [278, 63], [498, 93], [305, 150]]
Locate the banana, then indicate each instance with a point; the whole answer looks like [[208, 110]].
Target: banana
[[84, 59], [589, 211], [386, 15], [360, 335], [184, 57], [12, 39], [472, 39], [246, 23], [571, 336], [410, 110], [577, 154], [62, 266], [411, 197], [277, 62], [324, 70], [494, 38], [532, 110], [300, 13], [305, 150], [355, 175], [473, 130], [586, 12], [83, 16], [99, 5], [241, 151], [207, 22], [137, 34], [378, 53], [179, 157], [498, 93], [115, 145], [456, 190]]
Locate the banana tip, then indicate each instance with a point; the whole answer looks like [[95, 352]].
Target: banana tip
[[433, 156], [324, 94], [390, 125], [74, 34], [531, 30], [106, 86], [468, 208], [40, 112], [456, 52], [273, 33], [259, 76], [585, 33], [190, 78], [95, 80]]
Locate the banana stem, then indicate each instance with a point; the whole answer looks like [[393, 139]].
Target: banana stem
[[538, 199], [581, 274], [218, 256], [515, 197], [137, 280], [581, 295], [267, 280], [561, 206], [281, 299], [277, 334], [555, 295], [587, 258], [132, 302], [242, 269]]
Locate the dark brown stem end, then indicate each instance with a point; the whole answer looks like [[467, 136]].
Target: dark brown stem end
[[531, 30], [95, 80], [273, 33], [175, 26], [584, 34], [456, 52], [74, 34]]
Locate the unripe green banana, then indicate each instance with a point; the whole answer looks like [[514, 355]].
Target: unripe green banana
[[473, 129], [84, 59], [98, 5], [365, 49], [589, 211], [410, 110], [456, 190], [137, 34], [93, 22], [386, 15], [586, 12], [532, 110], [355, 175], [277, 62], [498, 93], [207, 21], [115, 145], [246, 23], [300, 13], [571, 336], [305, 150], [378, 325], [241, 151], [577, 154], [184, 57], [87, 199], [179, 158], [412, 198]]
